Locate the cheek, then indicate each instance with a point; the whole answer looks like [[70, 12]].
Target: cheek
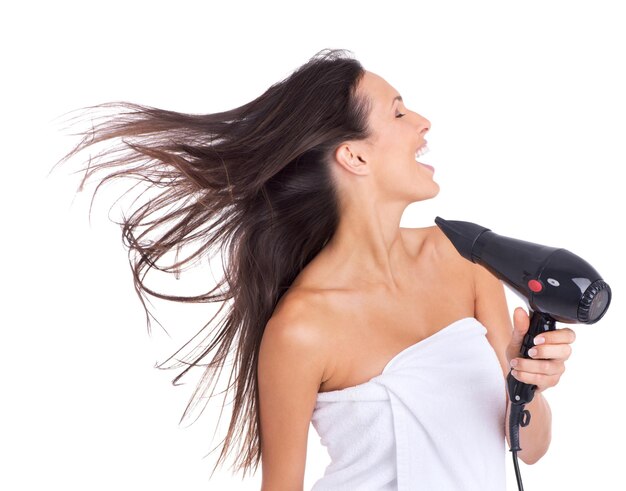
[[391, 145], [395, 173]]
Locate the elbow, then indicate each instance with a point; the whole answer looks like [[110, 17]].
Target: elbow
[[531, 459], [280, 487]]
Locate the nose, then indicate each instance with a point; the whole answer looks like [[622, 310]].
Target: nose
[[423, 125]]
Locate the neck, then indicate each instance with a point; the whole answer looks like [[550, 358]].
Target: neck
[[368, 247]]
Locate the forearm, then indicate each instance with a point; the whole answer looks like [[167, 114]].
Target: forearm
[[534, 438]]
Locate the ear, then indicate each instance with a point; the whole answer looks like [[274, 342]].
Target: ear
[[347, 155]]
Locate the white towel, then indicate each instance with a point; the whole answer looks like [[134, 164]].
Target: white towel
[[433, 420]]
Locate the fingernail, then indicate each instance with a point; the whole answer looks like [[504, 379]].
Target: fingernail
[[513, 363], [532, 352], [540, 340]]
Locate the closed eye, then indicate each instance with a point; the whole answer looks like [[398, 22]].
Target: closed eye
[[400, 115]]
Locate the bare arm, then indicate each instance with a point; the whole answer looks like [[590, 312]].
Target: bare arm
[[492, 311], [291, 369]]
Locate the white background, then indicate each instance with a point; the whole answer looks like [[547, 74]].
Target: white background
[[527, 105]]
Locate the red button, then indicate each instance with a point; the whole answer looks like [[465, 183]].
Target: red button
[[535, 286]]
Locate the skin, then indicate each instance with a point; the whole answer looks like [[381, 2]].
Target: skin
[[377, 179], [377, 288]]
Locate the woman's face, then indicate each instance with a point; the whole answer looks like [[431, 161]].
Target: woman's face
[[397, 134]]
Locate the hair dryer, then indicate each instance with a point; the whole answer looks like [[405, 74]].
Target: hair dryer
[[556, 285]]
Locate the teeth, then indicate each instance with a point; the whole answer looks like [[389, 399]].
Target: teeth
[[421, 151]]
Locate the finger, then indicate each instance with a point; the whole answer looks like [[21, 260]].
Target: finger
[[541, 381], [521, 323], [550, 352], [543, 367], [558, 336], [520, 315]]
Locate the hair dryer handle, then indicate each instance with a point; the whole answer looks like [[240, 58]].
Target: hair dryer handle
[[519, 392]]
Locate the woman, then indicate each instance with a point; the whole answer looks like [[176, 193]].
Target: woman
[[334, 306]]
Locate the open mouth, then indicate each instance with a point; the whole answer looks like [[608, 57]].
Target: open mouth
[[421, 151]]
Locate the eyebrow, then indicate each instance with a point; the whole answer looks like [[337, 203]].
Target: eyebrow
[[396, 98]]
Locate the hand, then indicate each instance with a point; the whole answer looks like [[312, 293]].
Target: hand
[[543, 369]]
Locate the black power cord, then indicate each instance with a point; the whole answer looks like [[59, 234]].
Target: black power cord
[[520, 486], [520, 393], [518, 416]]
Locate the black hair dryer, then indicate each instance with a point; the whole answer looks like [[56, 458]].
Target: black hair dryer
[[556, 284]]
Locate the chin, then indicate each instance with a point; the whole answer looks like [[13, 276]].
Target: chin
[[428, 194]]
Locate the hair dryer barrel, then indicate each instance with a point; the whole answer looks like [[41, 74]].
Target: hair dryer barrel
[[554, 280]]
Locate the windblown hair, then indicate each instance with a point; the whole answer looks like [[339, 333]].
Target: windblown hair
[[252, 182]]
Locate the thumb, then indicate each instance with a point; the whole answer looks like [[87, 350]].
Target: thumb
[[521, 323]]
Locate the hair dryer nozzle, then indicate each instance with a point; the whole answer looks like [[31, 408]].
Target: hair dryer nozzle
[[462, 234]]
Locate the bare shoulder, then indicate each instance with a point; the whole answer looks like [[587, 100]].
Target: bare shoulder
[[298, 320], [445, 246], [432, 239]]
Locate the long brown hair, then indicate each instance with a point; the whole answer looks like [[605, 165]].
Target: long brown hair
[[255, 184]]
